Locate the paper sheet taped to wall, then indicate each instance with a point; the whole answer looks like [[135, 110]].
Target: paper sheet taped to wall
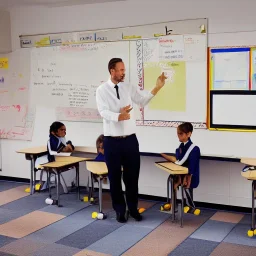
[[16, 115], [4, 63], [16, 122]]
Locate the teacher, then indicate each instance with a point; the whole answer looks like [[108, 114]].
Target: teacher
[[121, 148]]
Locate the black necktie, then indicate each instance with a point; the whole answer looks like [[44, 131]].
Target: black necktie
[[117, 94]]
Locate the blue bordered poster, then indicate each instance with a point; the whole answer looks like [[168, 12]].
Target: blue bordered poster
[[230, 69]]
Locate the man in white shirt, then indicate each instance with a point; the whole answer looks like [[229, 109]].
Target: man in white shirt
[[114, 101]]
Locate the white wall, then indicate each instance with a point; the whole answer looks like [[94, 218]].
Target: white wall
[[230, 23], [5, 32]]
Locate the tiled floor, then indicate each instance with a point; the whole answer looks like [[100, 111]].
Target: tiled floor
[[30, 227]]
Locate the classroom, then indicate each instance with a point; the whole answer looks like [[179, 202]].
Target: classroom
[[54, 55]]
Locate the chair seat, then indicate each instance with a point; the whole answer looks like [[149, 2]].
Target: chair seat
[[98, 168], [250, 175]]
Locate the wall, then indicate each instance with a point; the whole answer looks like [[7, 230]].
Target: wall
[[220, 182], [5, 32]]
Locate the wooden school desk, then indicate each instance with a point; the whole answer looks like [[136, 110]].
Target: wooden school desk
[[32, 154], [63, 164], [101, 171], [173, 170], [251, 175]]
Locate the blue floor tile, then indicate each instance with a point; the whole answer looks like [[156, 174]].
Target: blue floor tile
[[64, 227], [213, 230], [4, 240], [239, 236], [195, 247], [90, 233], [56, 250], [120, 240]]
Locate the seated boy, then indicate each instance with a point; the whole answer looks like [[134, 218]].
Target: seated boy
[[187, 155]]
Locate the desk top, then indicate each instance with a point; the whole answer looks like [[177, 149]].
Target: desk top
[[33, 151], [249, 161], [82, 149], [64, 162], [43, 149], [70, 158], [224, 158], [99, 168], [172, 168]]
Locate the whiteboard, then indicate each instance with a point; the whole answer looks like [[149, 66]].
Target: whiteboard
[[66, 77], [233, 109]]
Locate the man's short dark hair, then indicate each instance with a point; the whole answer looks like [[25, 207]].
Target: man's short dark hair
[[112, 63]]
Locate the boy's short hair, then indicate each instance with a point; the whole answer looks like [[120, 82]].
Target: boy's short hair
[[186, 127], [99, 140]]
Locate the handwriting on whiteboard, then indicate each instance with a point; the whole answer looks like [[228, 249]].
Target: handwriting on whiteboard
[[15, 133], [4, 108], [78, 114], [48, 77], [81, 47]]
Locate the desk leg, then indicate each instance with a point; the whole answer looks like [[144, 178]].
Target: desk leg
[[168, 189], [91, 194], [48, 183], [77, 181], [100, 194], [182, 206], [173, 199], [32, 174], [58, 187], [253, 210]]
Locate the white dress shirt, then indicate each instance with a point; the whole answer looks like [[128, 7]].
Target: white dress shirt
[[109, 106]]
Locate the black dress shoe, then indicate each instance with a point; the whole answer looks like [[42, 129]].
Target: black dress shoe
[[121, 217], [136, 215]]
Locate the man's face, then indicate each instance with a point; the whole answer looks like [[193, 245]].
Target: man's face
[[118, 73]]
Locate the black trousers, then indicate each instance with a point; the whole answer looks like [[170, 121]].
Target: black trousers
[[123, 152]]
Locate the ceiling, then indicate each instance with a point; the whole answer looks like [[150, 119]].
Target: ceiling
[[7, 4]]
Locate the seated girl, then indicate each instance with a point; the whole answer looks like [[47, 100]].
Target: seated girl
[[57, 142], [56, 145]]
